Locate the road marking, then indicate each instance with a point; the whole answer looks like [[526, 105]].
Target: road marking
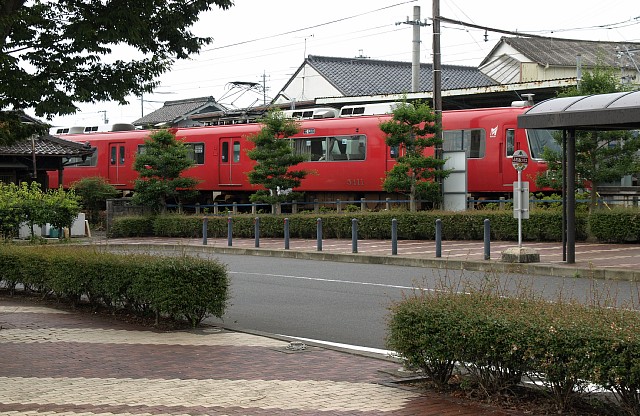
[[320, 279]]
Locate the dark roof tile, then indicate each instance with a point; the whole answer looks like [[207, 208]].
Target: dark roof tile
[[174, 110], [562, 52], [361, 76], [46, 146]]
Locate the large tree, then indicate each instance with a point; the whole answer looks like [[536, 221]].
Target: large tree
[[412, 131], [55, 54], [601, 156], [275, 159]]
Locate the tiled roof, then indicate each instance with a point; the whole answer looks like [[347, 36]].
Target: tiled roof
[[175, 110], [562, 52], [361, 76], [46, 146]]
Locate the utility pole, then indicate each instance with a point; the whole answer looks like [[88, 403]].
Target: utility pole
[[415, 51], [437, 85], [437, 64]]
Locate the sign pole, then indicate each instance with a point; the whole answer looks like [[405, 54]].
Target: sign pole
[[519, 254], [520, 208]]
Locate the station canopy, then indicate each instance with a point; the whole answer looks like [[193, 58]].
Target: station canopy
[[614, 111]]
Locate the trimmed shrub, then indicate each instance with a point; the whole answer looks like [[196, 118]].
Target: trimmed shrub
[[498, 340], [180, 287]]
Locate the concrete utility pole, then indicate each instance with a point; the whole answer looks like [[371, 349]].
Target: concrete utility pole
[[415, 55], [437, 65]]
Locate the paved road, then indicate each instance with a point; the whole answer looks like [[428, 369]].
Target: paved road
[[348, 302], [593, 260]]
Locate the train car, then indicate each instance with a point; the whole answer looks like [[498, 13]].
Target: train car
[[347, 156]]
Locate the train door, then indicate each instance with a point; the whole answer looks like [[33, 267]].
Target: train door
[[230, 169], [116, 163]]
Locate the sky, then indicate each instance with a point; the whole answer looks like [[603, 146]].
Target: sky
[[265, 42]]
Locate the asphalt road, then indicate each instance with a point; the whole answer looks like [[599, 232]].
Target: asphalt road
[[348, 303]]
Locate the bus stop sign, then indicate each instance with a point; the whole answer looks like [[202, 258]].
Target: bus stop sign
[[520, 160]]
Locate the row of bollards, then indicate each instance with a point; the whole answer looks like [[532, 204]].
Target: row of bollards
[[354, 235]]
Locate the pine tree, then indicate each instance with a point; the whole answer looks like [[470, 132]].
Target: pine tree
[[160, 166], [412, 131], [275, 158]]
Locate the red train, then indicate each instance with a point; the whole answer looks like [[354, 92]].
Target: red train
[[348, 155]]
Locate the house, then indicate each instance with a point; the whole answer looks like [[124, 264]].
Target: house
[[30, 159], [321, 76], [530, 59], [177, 113]]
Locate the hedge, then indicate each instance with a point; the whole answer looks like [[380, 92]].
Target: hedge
[[500, 341], [543, 225], [179, 287]]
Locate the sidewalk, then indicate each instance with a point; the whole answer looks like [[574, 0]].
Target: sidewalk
[[593, 260], [66, 362]]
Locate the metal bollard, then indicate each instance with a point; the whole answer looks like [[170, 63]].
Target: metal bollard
[[229, 232], [394, 237], [487, 239], [286, 233], [256, 231], [205, 229], [438, 237], [319, 233], [354, 235]]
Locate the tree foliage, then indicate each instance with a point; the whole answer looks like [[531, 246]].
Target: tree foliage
[[601, 156], [54, 54], [160, 165], [93, 193], [27, 203], [274, 158], [412, 131]]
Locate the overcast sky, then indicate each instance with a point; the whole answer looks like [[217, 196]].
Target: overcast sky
[[266, 41]]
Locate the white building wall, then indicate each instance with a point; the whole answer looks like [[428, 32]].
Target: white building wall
[[307, 85]]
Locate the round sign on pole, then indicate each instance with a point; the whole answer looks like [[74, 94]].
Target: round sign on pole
[[520, 160]]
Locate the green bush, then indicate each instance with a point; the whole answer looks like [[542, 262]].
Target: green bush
[[620, 225], [132, 226], [499, 340], [180, 287]]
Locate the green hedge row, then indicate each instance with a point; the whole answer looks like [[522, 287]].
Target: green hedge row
[[543, 225], [501, 341], [179, 287]]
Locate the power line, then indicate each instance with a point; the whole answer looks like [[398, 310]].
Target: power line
[[308, 27]]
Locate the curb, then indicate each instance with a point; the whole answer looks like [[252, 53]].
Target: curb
[[490, 266]]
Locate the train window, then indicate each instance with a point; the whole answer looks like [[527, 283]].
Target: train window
[[236, 151], [113, 155], [473, 141], [78, 161], [313, 149], [540, 138], [122, 155], [224, 155], [511, 141], [195, 152], [352, 147]]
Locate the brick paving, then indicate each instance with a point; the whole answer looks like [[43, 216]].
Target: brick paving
[[72, 363]]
